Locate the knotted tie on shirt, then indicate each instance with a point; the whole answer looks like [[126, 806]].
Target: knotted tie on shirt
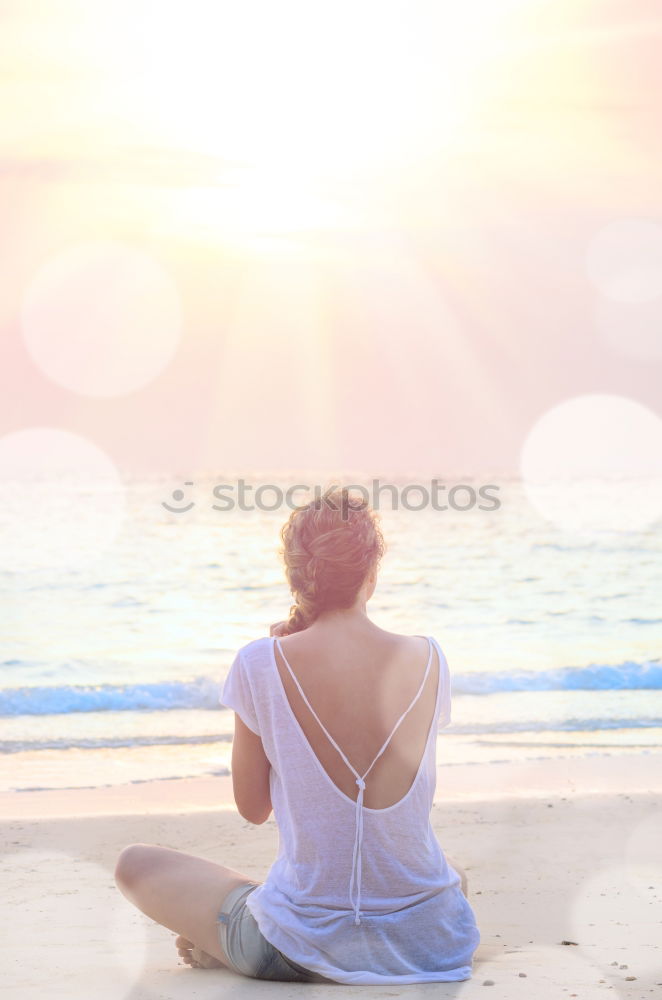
[[356, 859]]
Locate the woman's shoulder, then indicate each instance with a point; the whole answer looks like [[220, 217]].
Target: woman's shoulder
[[418, 638], [405, 640], [416, 645], [257, 650]]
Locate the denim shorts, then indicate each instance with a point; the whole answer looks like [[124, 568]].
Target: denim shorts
[[246, 948]]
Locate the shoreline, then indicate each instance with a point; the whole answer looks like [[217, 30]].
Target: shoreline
[[590, 774]]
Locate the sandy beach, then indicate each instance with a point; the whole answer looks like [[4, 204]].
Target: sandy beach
[[555, 851]]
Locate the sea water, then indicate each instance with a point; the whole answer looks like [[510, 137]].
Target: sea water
[[111, 669]]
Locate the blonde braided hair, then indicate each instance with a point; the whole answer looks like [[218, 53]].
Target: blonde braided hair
[[330, 545]]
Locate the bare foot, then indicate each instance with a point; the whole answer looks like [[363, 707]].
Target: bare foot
[[196, 957]]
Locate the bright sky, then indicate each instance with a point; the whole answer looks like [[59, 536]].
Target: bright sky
[[368, 235]]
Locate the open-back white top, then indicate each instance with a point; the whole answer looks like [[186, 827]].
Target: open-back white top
[[415, 924]]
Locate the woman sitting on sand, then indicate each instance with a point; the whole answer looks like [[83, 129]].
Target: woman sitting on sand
[[335, 729]]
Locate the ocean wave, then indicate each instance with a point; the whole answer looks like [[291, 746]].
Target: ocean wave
[[556, 726], [103, 742], [109, 742], [203, 692], [628, 676]]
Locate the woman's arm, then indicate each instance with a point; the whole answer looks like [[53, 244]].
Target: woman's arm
[[251, 766], [250, 774]]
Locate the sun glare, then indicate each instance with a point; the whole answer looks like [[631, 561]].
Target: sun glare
[[292, 97], [254, 207]]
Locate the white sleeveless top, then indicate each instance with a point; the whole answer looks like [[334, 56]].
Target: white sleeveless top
[[357, 895]]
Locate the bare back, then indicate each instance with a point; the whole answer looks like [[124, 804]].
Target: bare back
[[359, 685]]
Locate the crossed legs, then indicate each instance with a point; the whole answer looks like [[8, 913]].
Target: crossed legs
[[183, 893]]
